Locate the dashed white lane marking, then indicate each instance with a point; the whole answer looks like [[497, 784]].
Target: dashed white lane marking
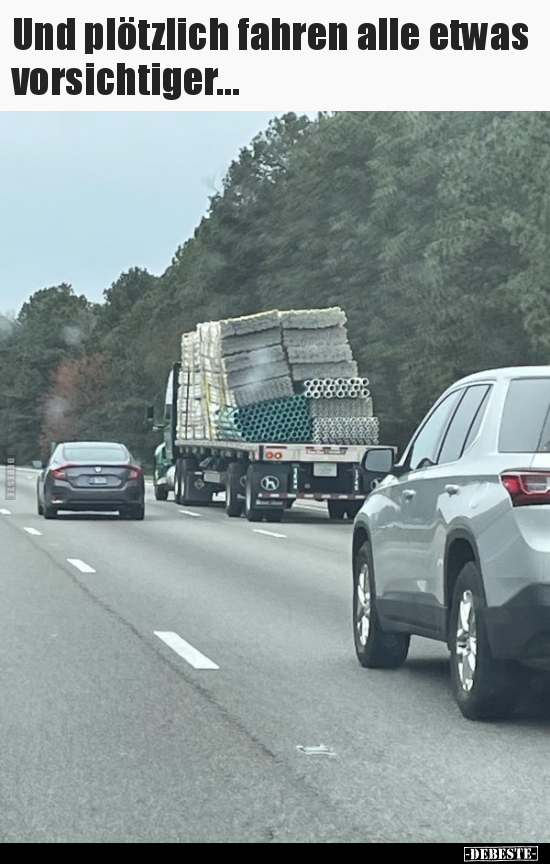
[[190, 513], [5, 512], [33, 531], [81, 565], [185, 650], [269, 533]]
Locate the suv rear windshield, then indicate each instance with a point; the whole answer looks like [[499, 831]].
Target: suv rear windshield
[[525, 423], [95, 454]]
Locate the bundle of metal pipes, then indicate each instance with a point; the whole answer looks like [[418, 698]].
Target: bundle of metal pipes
[[340, 408], [341, 388], [275, 420], [345, 430]]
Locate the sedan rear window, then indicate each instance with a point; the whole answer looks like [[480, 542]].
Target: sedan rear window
[[95, 454], [525, 423]]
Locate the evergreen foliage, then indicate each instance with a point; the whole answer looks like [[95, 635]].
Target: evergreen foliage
[[430, 230]]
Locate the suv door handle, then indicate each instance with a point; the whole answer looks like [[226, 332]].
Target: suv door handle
[[408, 494], [451, 489]]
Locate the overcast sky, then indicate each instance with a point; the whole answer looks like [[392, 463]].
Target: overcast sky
[[86, 195]]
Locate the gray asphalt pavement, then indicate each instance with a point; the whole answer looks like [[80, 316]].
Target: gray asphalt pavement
[[110, 734]]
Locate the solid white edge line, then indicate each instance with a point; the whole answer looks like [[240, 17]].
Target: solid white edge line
[[5, 512], [189, 513], [81, 565], [33, 531], [185, 650], [269, 533]]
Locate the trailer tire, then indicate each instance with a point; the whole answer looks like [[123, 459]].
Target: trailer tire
[[182, 466], [353, 509], [337, 509], [233, 505], [178, 482], [161, 493], [253, 514], [186, 495], [275, 515]]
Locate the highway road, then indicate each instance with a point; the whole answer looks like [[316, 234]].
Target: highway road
[[160, 678]]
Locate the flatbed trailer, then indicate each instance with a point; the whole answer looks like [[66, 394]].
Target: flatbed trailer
[[263, 480]]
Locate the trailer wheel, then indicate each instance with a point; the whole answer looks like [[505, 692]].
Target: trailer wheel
[[161, 492], [178, 482], [275, 515], [181, 492], [353, 509], [189, 494], [253, 514], [337, 509], [234, 506]]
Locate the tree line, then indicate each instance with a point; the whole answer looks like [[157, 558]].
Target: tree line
[[430, 229]]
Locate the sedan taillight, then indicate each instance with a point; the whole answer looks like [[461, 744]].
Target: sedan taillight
[[527, 487], [135, 472], [61, 472]]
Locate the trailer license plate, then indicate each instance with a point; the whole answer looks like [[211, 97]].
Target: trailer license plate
[[325, 469]]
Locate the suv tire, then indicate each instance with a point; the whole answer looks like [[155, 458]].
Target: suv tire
[[375, 647], [484, 688]]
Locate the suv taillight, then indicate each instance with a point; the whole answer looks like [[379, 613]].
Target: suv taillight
[[135, 472], [527, 487]]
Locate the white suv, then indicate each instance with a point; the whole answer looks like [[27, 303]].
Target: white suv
[[454, 542]]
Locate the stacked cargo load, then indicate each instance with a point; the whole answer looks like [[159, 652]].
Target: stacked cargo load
[[253, 358], [316, 344], [275, 376], [190, 418]]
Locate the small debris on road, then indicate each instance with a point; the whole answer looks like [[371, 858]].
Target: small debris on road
[[321, 750]]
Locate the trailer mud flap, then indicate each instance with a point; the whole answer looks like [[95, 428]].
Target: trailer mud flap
[[269, 484]]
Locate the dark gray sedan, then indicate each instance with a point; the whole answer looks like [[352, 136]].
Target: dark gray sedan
[[91, 475]]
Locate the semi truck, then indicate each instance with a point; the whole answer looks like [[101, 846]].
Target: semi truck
[[260, 478]]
